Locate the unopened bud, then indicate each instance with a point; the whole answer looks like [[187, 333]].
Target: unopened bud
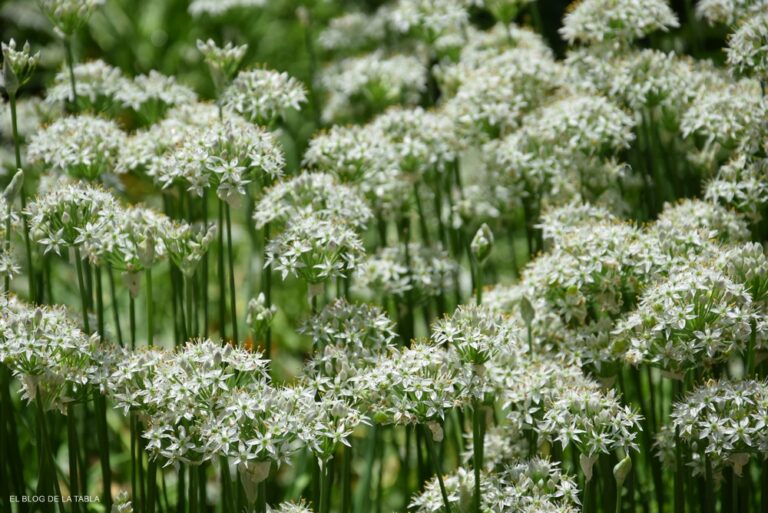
[[526, 311], [482, 243], [13, 189], [622, 469]]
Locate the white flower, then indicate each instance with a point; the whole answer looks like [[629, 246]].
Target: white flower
[[81, 146], [262, 96], [597, 21]]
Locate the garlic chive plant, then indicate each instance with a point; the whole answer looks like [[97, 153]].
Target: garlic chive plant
[[422, 255]]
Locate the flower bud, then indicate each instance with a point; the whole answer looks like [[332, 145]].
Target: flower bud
[[482, 243], [18, 66], [586, 463], [526, 311], [621, 470], [13, 189], [437, 431]]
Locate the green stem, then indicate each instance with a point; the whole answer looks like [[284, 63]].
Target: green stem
[[23, 198], [72, 449], [205, 268], [222, 279], [477, 449], [267, 290], [81, 286], [150, 309], [100, 404], [346, 480], [232, 290], [261, 497], [115, 305], [436, 468], [151, 486], [71, 67]]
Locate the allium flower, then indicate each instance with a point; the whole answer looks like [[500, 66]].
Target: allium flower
[[419, 140], [143, 147], [69, 15], [503, 443], [326, 424], [46, 351], [724, 116], [527, 384], [259, 425], [361, 156], [347, 152], [96, 83], [348, 338], [414, 386], [475, 333], [587, 282], [425, 271], [18, 66], [223, 61], [527, 486], [429, 19], [557, 223], [289, 507], [587, 125], [747, 53], [81, 146], [491, 101], [651, 78], [150, 96], [481, 46], [691, 224], [187, 244], [315, 248], [226, 156], [259, 316], [359, 87], [594, 421], [728, 11], [598, 21], [181, 396], [262, 96], [318, 194], [57, 219], [697, 316], [122, 503], [741, 184], [723, 423], [352, 32], [219, 7], [747, 264]]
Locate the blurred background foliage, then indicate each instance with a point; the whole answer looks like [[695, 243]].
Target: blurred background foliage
[[140, 35]]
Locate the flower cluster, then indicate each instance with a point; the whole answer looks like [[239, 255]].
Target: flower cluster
[[262, 96], [527, 486], [318, 194], [47, 352], [226, 156], [616, 21], [413, 269], [746, 47], [348, 338], [69, 15], [220, 7], [696, 316], [81, 146], [362, 86], [723, 424], [315, 249]]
